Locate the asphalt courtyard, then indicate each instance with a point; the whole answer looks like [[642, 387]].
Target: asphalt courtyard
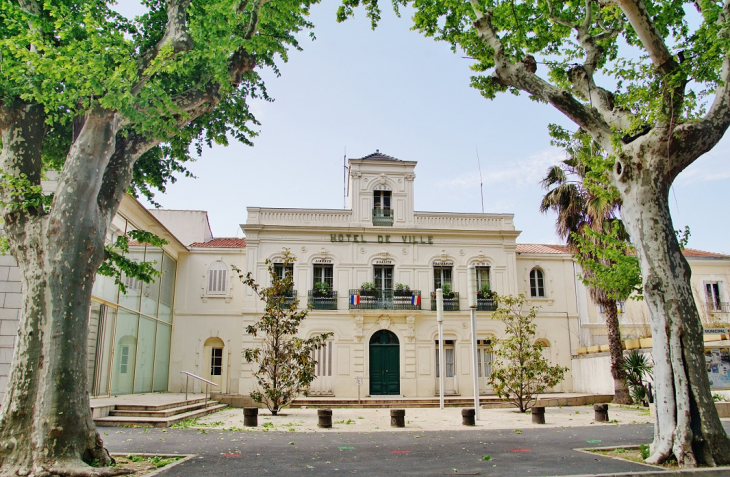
[[495, 452]]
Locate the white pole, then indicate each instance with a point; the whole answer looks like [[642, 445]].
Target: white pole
[[440, 320], [472, 295]]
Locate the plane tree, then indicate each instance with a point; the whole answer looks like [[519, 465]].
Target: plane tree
[[648, 80], [113, 105]]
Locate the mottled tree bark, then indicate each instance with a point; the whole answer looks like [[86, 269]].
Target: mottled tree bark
[[687, 424], [46, 426]]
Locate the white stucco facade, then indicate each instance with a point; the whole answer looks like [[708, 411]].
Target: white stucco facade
[[195, 320]]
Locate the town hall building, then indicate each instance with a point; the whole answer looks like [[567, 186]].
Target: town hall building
[[369, 275]]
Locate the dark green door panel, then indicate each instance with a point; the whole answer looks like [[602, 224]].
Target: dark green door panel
[[384, 364]]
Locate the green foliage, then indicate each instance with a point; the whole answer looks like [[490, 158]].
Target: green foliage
[[367, 288], [21, 194], [75, 56], [118, 265], [610, 263], [286, 362], [683, 236], [644, 450], [520, 372], [446, 288], [322, 288], [637, 368]]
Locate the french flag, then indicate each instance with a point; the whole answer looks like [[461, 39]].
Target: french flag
[[354, 299], [416, 300]]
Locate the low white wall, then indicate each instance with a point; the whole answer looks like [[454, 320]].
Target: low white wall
[[592, 374]]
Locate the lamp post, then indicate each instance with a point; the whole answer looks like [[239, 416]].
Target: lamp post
[[440, 320], [471, 283]]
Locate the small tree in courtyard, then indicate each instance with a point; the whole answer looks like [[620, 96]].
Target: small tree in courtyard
[[520, 372], [286, 362]]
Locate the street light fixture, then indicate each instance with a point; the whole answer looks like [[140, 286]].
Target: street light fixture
[[471, 283]]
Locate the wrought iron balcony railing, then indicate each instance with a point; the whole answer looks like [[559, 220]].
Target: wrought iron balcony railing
[[383, 217], [384, 300], [289, 298], [486, 304], [450, 304], [320, 302]]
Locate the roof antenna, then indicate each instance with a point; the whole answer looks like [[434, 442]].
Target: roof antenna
[[344, 180], [481, 183]]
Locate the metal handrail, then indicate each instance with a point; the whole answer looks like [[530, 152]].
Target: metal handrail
[[187, 380]]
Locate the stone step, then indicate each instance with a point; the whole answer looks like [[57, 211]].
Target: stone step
[[157, 407], [130, 421], [160, 413]]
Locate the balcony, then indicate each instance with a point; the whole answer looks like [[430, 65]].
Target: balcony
[[450, 304], [383, 217], [318, 302], [486, 304], [718, 307], [385, 300], [289, 298]]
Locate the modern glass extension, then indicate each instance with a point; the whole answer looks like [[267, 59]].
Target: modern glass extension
[[130, 333]]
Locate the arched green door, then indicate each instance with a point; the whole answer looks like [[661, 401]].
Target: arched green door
[[384, 364]]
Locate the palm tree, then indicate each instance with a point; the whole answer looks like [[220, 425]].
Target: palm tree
[[579, 209]]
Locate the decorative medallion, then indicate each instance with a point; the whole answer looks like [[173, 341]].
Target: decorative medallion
[[385, 322], [462, 252], [304, 249], [405, 251]]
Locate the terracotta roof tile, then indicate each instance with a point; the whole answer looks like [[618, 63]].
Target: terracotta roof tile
[[548, 248], [692, 253], [222, 242], [540, 248]]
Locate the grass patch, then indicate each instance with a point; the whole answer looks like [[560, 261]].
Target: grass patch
[[633, 454]]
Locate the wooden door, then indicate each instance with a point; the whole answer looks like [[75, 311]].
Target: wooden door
[[384, 364]]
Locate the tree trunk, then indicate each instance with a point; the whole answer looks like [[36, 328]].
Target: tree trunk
[[621, 389], [687, 423], [46, 427]]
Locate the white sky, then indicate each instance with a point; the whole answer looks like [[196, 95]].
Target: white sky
[[394, 90]]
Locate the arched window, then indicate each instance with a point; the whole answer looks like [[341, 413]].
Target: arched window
[[537, 283], [217, 278]]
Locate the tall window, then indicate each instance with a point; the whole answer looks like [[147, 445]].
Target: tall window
[[483, 278], [124, 361], [381, 199], [383, 277], [448, 359], [216, 361], [712, 296], [323, 274], [537, 283], [282, 270], [217, 278], [441, 277], [484, 358]]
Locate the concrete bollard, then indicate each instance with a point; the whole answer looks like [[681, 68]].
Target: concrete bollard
[[538, 415], [250, 416], [324, 418], [397, 418], [468, 417], [601, 411]]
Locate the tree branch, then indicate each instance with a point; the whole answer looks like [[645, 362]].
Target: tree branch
[[638, 16], [516, 75], [176, 35]]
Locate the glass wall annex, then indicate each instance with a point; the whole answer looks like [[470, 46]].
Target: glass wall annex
[[130, 333]]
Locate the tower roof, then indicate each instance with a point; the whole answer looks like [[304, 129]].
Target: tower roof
[[379, 156]]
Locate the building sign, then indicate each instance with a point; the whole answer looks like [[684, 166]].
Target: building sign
[[715, 331], [442, 263], [322, 260], [384, 262], [718, 367], [361, 238]]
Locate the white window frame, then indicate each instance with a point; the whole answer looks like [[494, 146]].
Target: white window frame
[[217, 279], [539, 283], [713, 295]]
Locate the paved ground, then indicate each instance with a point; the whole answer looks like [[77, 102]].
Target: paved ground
[[430, 419], [512, 452]]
